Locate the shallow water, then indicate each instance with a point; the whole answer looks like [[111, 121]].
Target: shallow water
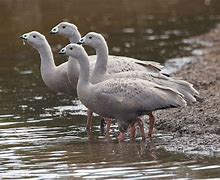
[[42, 134]]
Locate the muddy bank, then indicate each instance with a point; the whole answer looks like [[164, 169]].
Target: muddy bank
[[196, 129]]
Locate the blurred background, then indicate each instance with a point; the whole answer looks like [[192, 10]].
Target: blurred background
[[33, 118]]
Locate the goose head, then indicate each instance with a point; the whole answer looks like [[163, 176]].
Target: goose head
[[35, 39], [92, 39], [73, 50], [65, 29]]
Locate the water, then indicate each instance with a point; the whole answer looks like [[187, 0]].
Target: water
[[42, 133]]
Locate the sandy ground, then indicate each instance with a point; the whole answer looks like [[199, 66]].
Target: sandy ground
[[196, 128]]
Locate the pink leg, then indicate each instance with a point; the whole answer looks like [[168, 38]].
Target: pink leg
[[132, 132], [141, 126], [133, 129], [121, 137], [89, 119], [108, 122], [151, 124]]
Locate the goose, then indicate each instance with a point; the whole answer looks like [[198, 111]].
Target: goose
[[55, 77], [120, 98], [115, 64], [97, 41]]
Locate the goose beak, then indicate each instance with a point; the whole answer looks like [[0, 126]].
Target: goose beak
[[23, 37], [63, 51], [81, 41], [54, 30]]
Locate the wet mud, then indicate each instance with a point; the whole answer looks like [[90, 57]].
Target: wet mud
[[196, 129]]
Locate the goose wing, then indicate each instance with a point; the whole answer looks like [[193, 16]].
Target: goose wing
[[135, 95], [118, 64]]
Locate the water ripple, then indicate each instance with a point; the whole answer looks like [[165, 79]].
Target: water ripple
[[42, 148]]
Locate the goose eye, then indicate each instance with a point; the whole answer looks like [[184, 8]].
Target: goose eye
[[90, 37], [63, 27], [34, 36], [71, 48]]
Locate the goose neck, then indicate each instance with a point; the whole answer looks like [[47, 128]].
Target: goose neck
[[46, 55], [102, 58], [84, 69]]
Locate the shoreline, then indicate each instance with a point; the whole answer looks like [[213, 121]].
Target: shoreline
[[196, 129]]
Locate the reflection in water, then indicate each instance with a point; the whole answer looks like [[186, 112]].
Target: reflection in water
[[43, 134]]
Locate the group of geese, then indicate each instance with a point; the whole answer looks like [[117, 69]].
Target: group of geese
[[115, 87]]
